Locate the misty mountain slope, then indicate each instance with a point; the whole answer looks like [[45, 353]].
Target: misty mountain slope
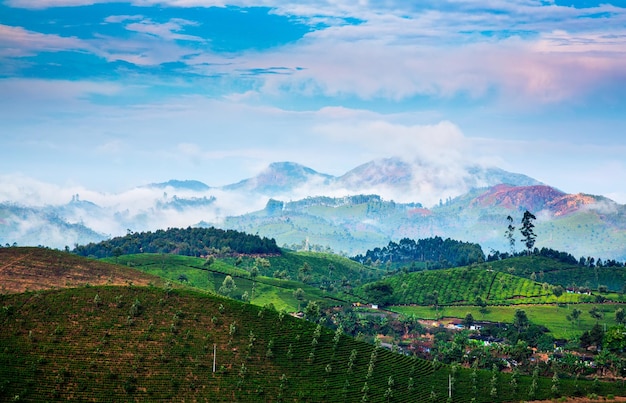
[[579, 224], [192, 185], [280, 177], [34, 226], [377, 202]]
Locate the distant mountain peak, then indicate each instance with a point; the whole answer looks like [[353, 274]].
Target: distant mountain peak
[[183, 185], [280, 177]]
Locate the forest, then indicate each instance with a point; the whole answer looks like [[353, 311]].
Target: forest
[[182, 241], [434, 253]]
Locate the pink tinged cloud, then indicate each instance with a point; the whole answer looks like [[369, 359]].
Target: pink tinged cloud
[[18, 42]]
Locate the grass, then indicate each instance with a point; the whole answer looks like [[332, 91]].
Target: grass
[[553, 317]]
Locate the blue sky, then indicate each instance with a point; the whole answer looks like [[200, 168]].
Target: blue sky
[[109, 95]]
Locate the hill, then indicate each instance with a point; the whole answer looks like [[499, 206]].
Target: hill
[[357, 223], [569, 275], [149, 344], [261, 282], [428, 253], [458, 286], [30, 269], [184, 241]]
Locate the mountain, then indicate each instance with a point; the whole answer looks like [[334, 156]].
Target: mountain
[[367, 207], [580, 224], [416, 179], [193, 185], [45, 226], [280, 178]]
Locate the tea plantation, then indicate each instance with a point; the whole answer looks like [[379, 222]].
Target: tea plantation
[[151, 344]]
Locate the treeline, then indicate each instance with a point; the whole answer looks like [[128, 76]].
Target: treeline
[[562, 257], [188, 241], [436, 252]]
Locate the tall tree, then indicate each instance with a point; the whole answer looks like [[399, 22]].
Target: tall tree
[[527, 231], [509, 234], [520, 321]]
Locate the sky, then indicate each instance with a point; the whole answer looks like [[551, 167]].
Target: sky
[[107, 95]]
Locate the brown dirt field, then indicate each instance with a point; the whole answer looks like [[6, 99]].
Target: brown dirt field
[[31, 269]]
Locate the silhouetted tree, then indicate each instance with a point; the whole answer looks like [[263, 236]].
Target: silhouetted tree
[[527, 231], [510, 234]]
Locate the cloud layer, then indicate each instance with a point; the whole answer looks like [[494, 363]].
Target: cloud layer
[[145, 91]]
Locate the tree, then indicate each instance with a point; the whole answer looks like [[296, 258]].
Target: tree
[[468, 321], [596, 313], [527, 231], [117, 252], [299, 294], [379, 293], [615, 338], [209, 261], [304, 272], [228, 286], [558, 290], [520, 321], [509, 234], [312, 310], [575, 316], [620, 316]]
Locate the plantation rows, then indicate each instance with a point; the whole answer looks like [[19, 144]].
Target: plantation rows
[[149, 344], [164, 351], [556, 272], [463, 286], [260, 290]]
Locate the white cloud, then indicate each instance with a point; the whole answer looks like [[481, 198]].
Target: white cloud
[[19, 42], [168, 30]]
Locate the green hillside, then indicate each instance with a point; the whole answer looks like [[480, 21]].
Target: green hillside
[[553, 271], [323, 278], [151, 344], [461, 286]]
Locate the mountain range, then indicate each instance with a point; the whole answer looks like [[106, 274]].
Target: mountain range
[[368, 206]]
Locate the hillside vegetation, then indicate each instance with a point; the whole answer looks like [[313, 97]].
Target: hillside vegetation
[[257, 289], [464, 286], [23, 269], [188, 241], [428, 253], [554, 271], [150, 344]]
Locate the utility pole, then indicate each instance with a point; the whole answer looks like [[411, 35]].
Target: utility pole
[[214, 350]]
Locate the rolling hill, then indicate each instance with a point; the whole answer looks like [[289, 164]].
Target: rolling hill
[[135, 343], [31, 269], [460, 286]]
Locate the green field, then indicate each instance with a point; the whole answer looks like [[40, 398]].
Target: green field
[[152, 344], [553, 317]]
